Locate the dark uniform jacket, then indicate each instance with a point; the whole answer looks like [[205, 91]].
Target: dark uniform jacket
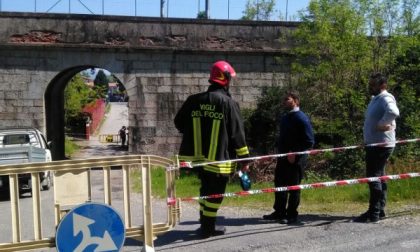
[[212, 129]]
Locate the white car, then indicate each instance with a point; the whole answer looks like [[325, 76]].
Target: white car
[[24, 145]]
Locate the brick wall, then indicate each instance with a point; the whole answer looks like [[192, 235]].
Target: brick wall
[[96, 110]]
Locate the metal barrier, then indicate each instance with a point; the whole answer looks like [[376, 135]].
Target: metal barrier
[[109, 138], [73, 186]]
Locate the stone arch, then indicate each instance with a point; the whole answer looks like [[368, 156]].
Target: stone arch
[[54, 108]]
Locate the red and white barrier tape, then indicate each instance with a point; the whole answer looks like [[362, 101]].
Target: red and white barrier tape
[[172, 201], [185, 164]]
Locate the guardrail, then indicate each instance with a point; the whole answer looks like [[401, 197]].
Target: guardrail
[[73, 186]]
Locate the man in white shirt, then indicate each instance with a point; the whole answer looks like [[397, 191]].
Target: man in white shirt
[[379, 127]]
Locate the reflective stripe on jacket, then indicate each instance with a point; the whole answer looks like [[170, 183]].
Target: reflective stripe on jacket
[[212, 129]]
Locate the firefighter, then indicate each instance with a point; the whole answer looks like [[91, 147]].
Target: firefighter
[[213, 130]]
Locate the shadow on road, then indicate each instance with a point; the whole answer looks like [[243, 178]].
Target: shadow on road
[[93, 149], [114, 147], [4, 196], [181, 238]]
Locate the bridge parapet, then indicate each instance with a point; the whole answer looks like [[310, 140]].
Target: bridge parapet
[[144, 33]]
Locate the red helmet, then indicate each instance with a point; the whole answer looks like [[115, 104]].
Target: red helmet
[[221, 73]]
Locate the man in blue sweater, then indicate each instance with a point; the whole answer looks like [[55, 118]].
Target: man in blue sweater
[[379, 127], [296, 135]]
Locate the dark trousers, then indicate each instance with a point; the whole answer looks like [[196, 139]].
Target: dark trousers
[[287, 174], [211, 183], [376, 158]]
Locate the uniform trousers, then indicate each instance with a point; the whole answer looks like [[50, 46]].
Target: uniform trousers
[[211, 183]]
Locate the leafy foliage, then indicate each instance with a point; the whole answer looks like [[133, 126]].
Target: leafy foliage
[[258, 9], [261, 124], [338, 45], [101, 83], [406, 75], [202, 15], [76, 96]]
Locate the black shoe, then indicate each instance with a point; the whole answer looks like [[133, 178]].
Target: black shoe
[[382, 215], [283, 221], [273, 216], [218, 230], [366, 218]]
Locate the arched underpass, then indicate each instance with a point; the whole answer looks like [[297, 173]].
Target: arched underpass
[[54, 109], [55, 112]]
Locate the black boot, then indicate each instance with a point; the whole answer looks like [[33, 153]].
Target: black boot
[[209, 227]]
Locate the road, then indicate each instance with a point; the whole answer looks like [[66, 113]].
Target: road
[[114, 120], [246, 231]]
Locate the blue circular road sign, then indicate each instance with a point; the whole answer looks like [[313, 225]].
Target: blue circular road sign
[[90, 227]]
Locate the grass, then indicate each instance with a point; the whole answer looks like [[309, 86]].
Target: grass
[[70, 147], [340, 199]]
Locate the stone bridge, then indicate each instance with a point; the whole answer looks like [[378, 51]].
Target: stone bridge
[[159, 61]]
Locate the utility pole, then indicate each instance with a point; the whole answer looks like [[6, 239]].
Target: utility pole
[[287, 6], [207, 9], [228, 8], [162, 3], [258, 10]]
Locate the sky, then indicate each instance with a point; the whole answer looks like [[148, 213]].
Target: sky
[[219, 9]]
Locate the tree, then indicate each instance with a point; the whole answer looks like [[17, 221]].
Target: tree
[[101, 79], [202, 15], [76, 95], [258, 10], [101, 83], [411, 23], [332, 48], [261, 124], [406, 75], [337, 46]]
